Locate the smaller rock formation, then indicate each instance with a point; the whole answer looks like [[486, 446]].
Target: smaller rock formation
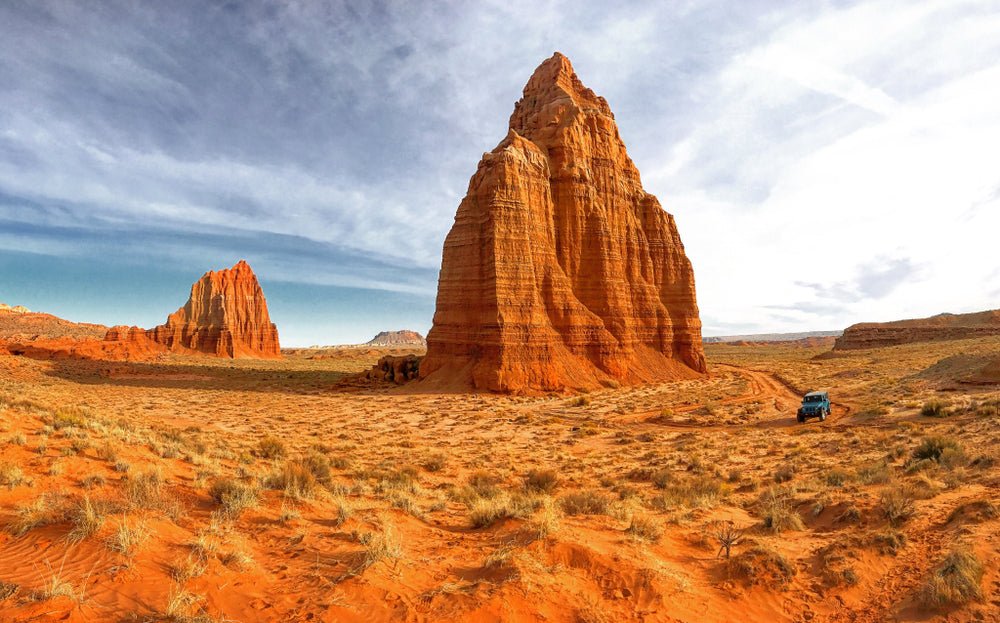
[[226, 316], [938, 328], [397, 369], [397, 338]]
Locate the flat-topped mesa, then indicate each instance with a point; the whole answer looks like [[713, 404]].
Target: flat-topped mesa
[[943, 327], [226, 316], [560, 271]]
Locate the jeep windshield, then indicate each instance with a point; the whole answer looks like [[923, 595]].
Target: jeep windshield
[[813, 399]]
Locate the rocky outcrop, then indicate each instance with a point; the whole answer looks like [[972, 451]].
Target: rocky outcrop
[[937, 328], [397, 338], [226, 316], [560, 271]]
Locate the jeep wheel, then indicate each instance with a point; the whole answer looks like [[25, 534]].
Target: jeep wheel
[[822, 416], [801, 419]]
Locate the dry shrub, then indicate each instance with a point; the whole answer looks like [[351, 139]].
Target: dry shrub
[[690, 492], [762, 565], [645, 529], [143, 491], [587, 502], [45, 510], [484, 512], [934, 447], [271, 447], [88, 517], [234, 497], [345, 510], [295, 479], [128, 537], [8, 590], [11, 475], [936, 408], [542, 480], [379, 546], [777, 513], [956, 581], [897, 505], [435, 462], [888, 541]]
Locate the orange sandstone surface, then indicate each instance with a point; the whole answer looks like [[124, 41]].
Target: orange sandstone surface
[[560, 271], [937, 328]]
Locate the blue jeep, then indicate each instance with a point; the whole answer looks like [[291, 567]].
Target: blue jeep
[[814, 404]]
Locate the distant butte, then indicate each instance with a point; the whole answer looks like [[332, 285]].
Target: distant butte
[[937, 328], [226, 316], [560, 271]]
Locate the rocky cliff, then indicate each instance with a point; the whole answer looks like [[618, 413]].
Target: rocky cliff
[[937, 328], [560, 271], [226, 315]]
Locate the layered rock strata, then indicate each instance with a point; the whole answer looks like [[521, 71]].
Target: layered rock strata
[[938, 328], [226, 316], [560, 271]]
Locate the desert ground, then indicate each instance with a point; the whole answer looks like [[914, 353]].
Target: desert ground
[[202, 489]]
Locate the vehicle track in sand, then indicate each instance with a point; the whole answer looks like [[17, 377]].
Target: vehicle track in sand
[[762, 387]]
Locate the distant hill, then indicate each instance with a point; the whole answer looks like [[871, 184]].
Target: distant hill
[[396, 338], [771, 337], [936, 328], [17, 323]]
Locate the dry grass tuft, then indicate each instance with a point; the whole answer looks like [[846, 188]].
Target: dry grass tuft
[[88, 517], [956, 581], [762, 565]]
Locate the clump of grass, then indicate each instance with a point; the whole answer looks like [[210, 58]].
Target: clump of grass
[[234, 497], [957, 580], [143, 491], [128, 537], [542, 480], [8, 590], [11, 475], [88, 517], [47, 509], [379, 546], [936, 408], [18, 439], [271, 447], [92, 480], [777, 513], [345, 510], [837, 477], [435, 462], [897, 505], [934, 447], [295, 479], [644, 529], [690, 492], [579, 401], [784, 475], [586, 502], [762, 565], [876, 474], [546, 521], [888, 541], [190, 567]]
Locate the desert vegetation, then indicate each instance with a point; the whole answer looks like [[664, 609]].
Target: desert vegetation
[[253, 491]]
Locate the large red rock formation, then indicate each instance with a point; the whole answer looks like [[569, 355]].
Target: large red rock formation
[[560, 271], [937, 328], [226, 315]]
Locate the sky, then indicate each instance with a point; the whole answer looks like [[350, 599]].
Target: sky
[[826, 162]]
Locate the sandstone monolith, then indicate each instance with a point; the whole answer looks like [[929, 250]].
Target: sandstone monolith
[[560, 271]]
